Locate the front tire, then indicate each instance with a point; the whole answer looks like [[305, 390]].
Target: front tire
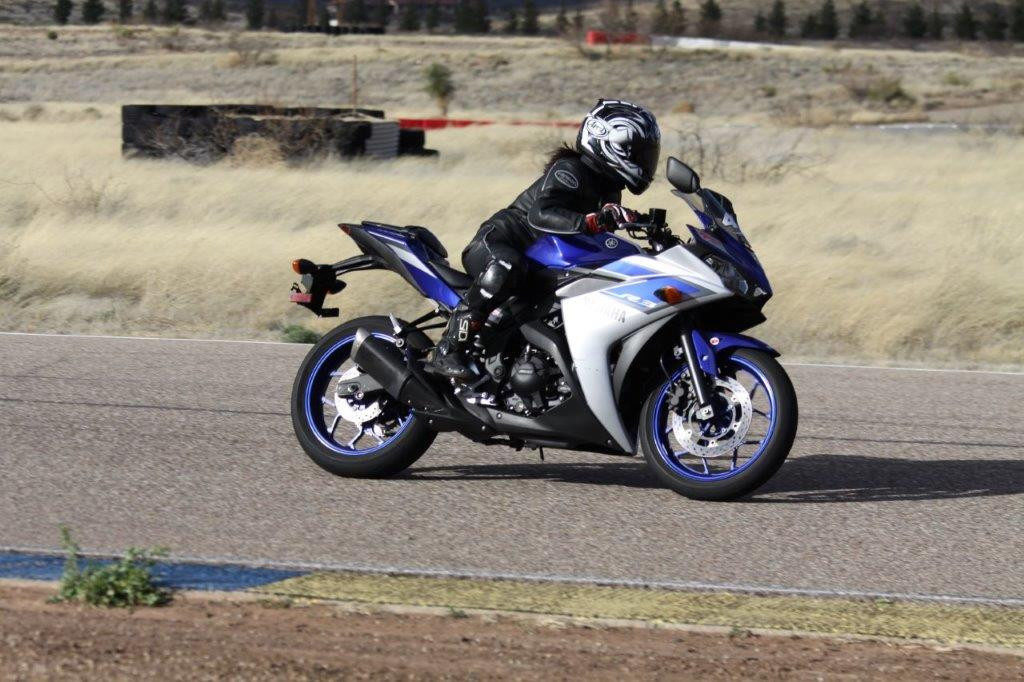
[[402, 438], [674, 462]]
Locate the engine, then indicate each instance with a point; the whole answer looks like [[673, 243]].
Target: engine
[[535, 384]]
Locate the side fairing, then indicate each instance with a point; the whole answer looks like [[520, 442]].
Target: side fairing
[[597, 320]]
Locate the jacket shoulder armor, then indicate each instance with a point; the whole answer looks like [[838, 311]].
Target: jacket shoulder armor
[[566, 174]]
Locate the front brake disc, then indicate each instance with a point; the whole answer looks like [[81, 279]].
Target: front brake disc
[[716, 442]]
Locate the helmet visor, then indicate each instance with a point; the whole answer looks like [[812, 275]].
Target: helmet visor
[[645, 154]]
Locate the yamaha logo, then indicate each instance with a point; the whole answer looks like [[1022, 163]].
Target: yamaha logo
[[611, 243]]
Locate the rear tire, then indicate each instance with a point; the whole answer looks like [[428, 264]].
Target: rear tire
[[751, 477], [396, 454]]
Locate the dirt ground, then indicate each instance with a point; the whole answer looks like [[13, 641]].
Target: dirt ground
[[197, 638]]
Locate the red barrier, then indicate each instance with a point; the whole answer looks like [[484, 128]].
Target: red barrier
[[603, 38], [438, 123]]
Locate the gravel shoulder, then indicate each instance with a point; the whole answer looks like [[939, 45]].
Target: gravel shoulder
[[206, 638]]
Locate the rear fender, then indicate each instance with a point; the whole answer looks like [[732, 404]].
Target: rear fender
[[712, 346]]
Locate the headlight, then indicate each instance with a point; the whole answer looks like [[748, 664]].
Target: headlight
[[731, 277]]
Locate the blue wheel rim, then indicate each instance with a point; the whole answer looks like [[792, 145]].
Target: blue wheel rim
[[671, 458], [320, 377]]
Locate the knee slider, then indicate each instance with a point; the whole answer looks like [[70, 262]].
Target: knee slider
[[497, 280]]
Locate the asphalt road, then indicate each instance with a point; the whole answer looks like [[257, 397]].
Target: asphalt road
[[905, 482]]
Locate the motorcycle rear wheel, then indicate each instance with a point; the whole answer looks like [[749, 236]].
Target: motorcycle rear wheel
[[401, 437]]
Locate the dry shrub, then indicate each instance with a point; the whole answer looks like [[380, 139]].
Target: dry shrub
[[255, 151], [887, 92], [248, 53], [738, 156]]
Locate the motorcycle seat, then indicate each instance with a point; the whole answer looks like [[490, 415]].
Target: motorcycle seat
[[454, 278]]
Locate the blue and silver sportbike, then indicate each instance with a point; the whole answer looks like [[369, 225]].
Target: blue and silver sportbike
[[611, 347]]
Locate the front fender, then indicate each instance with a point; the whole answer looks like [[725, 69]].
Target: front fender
[[713, 345]]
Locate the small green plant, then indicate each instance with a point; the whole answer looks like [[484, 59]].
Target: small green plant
[[51, 35], [440, 86], [296, 333], [127, 582], [457, 613], [956, 80]]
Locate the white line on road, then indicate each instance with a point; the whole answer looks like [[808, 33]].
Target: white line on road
[[286, 343], [555, 578]]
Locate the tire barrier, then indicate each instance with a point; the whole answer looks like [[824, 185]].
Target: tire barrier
[[208, 133]]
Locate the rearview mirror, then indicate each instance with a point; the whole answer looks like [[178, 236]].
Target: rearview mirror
[[681, 176]]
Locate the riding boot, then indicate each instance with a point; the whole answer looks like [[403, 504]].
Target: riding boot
[[449, 357]]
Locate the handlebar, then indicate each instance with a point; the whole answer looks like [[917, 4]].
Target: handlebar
[[654, 229]]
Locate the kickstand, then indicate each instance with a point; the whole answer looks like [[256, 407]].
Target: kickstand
[[541, 450]]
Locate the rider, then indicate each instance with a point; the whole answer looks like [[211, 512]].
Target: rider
[[617, 147]]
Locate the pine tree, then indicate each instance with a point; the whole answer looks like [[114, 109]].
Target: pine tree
[[995, 24], [255, 15], [710, 17], [631, 22], [512, 23], [409, 19], [562, 20], [62, 11], [1017, 21], [915, 23], [175, 11], [828, 21], [273, 21], [433, 17], [577, 20], [965, 26], [531, 27], [777, 19], [760, 23], [125, 10], [659, 18], [462, 19], [677, 19], [92, 11], [936, 24], [481, 16], [862, 24], [150, 11], [810, 27], [382, 14], [206, 11]]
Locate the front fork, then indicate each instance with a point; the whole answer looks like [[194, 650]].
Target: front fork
[[699, 381]]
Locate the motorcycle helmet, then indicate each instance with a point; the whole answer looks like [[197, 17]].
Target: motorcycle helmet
[[624, 140]]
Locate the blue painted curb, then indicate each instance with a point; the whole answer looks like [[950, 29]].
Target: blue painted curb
[[169, 574]]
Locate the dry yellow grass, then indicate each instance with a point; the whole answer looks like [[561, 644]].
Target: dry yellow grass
[[891, 247]]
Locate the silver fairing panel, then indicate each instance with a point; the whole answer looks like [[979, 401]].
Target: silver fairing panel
[[595, 320]]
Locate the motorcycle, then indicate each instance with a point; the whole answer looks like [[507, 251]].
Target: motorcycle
[[611, 345]]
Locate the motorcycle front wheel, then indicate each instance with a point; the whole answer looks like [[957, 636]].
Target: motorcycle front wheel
[[736, 451]]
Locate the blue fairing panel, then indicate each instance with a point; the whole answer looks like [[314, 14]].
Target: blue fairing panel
[[726, 246], [416, 259], [579, 250], [707, 354]]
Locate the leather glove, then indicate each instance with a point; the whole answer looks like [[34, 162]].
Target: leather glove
[[610, 218]]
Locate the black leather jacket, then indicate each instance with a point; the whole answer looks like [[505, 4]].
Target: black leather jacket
[[559, 201]]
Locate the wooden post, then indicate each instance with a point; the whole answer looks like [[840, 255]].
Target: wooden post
[[355, 82]]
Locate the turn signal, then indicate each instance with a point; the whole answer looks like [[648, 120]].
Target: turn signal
[[670, 295], [301, 266]]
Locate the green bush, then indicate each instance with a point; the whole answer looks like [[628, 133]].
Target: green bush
[[127, 582], [296, 333]]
